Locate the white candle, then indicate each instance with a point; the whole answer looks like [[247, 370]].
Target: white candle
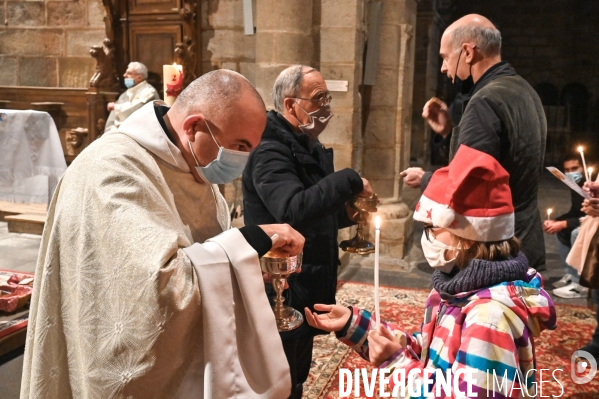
[[377, 239], [584, 164], [549, 211], [590, 173], [172, 77]]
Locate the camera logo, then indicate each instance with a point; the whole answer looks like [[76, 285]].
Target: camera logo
[[580, 361]]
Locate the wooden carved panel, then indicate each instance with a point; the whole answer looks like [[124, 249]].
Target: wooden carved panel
[[154, 47], [153, 6]]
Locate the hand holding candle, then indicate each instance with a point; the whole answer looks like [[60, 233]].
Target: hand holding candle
[[377, 309]]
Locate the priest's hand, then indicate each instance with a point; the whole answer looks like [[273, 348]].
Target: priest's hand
[[334, 320], [412, 177], [382, 344], [110, 106], [290, 241], [436, 114]]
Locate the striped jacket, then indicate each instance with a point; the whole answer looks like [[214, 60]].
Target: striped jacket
[[487, 334]]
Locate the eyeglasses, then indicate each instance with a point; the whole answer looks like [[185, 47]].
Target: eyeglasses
[[323, 99]]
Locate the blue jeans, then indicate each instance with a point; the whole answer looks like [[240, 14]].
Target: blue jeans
[[564, 250]]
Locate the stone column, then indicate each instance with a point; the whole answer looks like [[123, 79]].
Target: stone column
[[388, 129], [283, 38], [428, 38]]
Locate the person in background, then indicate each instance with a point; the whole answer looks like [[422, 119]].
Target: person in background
[[138, 93], [503, 118], [565, 228], [591, 208]]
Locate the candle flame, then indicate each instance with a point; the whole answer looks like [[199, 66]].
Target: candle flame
[[579, 148], [377, 222], [549, 211], [175, 64], [590, 170]]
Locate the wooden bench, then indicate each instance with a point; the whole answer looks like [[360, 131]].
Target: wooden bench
[[30, 223], [12, 208]]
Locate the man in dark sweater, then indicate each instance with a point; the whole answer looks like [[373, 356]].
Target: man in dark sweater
[[504, 118], [290, 177]]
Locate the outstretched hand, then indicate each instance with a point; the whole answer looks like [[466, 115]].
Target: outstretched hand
[[334, 320], [436, 114], [382, 344]]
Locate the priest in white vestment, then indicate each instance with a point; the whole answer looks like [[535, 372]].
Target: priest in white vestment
[[142, 289], [139, 92]]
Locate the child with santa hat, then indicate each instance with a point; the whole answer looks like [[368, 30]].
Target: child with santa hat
[[486, 306]]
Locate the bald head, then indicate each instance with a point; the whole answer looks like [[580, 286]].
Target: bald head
[[218, 94], [475, 29]]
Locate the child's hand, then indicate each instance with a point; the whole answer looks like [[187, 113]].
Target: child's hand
[[334, 320], [382, 344]]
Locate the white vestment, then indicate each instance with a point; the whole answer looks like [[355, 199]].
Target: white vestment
[[138, 291], [128, 102]]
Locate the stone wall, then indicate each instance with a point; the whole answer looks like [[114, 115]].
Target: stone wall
[[46, 43]]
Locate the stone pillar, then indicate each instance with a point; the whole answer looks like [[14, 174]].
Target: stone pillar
[[387, 137], [428, 38], [283, 38], [341, 54]]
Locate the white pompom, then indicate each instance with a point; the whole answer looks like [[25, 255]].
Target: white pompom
[[443, 217]]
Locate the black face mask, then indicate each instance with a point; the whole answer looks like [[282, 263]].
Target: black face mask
[[463, 86]]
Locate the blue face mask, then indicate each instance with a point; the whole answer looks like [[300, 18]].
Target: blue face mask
[[576, 177], [129, 82], [227, 166]]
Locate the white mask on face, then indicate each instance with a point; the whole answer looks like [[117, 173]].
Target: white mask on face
[[434, 252]]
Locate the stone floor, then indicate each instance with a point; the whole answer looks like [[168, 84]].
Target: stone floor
[[19, 252]]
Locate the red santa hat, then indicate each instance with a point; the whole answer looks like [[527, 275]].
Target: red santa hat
[[471, 198]]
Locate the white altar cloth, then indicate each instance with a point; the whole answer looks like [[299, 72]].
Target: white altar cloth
[[31, 156]]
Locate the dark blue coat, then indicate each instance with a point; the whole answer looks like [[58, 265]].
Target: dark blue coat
[[285, 182]]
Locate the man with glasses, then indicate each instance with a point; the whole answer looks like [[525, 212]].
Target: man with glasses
[[503, 118], [290, 178]]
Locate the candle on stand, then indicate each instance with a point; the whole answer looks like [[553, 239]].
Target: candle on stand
[[172, 77], [377, 239], [549, 211], [584, 164]]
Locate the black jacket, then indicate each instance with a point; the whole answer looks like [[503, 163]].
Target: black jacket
[[572, 218], [285, 182], [505, 119]]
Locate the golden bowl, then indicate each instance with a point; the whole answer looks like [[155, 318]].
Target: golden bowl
[[366, 204], [277, 264]]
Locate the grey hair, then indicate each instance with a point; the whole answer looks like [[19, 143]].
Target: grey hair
[[288, 84], [487, 40], [216, 92], [139, 68]]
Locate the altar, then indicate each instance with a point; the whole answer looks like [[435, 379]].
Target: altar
[[31, 156]]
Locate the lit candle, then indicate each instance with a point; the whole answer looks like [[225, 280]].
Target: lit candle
[[549, 211], [590, 173], [172, 77], [584, 164], [377, 238]]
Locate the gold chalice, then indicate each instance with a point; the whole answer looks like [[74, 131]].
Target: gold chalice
[[280, 267], [358, 244]]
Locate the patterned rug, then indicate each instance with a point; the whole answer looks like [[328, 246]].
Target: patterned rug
[[405, 307]]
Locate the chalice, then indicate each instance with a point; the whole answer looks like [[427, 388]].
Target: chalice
[[280, 267], [358, 244]]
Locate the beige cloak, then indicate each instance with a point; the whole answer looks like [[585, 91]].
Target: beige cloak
[[138, 292]]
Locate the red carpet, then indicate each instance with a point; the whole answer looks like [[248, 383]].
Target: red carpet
[[405, 307]]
